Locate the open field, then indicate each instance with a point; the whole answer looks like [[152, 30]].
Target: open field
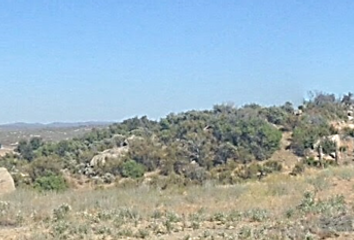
[[317, 205]]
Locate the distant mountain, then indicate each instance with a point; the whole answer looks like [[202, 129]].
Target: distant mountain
[[23, 125]]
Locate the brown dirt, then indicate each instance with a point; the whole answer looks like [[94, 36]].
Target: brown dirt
[[284, 155]]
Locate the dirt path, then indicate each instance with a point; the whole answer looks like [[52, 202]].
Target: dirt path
[[285, 156]]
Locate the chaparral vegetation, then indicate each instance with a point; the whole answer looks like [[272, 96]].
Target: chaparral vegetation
[[249, 172]]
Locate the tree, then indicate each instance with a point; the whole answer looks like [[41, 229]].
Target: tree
[[36, 143], [306, 134], [225, 152], [254, 135], [25, 150], [347, 99], [62, 148], [132, 169]]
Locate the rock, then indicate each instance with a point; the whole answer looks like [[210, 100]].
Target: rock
[[332, 155], [108, 178], [113, 153], [7, 184]]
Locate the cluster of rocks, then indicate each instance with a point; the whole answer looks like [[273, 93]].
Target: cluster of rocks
[[90, 169], [114, 153]]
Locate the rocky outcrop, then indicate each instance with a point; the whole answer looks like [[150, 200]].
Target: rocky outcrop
[[113, 153], [7, 183]]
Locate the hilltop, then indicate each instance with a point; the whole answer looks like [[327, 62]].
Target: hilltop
[[228, 144], [249, 172]]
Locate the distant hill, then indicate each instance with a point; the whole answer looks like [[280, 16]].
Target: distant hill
[[57, 131], [23, 125]]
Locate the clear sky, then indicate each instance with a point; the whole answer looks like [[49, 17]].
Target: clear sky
[[65, 60]]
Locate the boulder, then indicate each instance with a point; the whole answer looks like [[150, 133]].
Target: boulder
[[113, 153], [7, 183]]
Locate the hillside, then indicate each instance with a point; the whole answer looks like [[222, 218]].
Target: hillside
[[250, 172], [227, 144]]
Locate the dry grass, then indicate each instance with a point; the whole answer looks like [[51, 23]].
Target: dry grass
[[204, 212]]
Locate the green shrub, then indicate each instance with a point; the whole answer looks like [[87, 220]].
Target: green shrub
[[253, 135], [44, 166], [257, 215], [275, 115], [132, 169], [61, 212], [330, 207], [50, 183], [307, 133], [328, 146]]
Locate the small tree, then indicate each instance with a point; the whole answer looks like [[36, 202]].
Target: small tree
[[25, 150], [132, 169], [50, 183], [36, 143]]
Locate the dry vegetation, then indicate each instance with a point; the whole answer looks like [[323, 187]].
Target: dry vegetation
[[316, 205], [228, 173]]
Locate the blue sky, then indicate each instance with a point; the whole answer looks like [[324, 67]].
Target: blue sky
[[65, 60]]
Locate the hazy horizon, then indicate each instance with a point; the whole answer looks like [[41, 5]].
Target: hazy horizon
[[65, 61]]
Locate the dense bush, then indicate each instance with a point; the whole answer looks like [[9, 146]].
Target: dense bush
[[192, 144], [44, 166], [50, 182], [306, 135], [146, 152], [256, 136], [276, 115], [132, 169]]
